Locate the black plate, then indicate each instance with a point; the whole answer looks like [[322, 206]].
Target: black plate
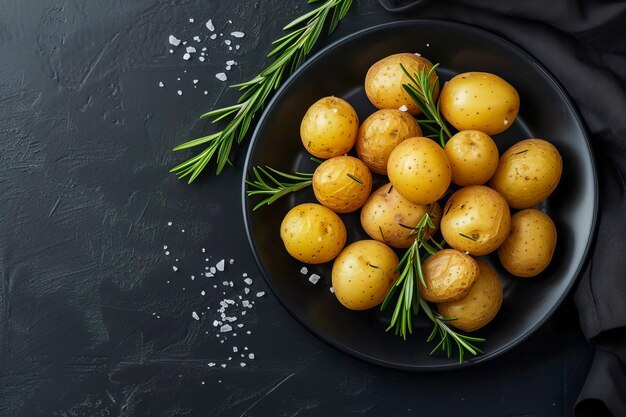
[[546, 112]]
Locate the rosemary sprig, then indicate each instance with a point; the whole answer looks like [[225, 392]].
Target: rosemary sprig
[[409, 302], [289, 52], [423, 94], [275, 184]]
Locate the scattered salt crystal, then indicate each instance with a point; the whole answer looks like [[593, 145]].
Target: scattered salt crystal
[[184, 42], [232, 261], [237, 46], [225, 283], [211, 364], [230, 358], [190, 49], [332, 290], [238, 34], [220, 265], [314, 278], [196, 38], [203, 250], [179, 92], [235, 349], [243, 364], [262, 293], [245, 303], [251, 356], [208, 274], [171, 51], [246, 290], [201, 59], [223, 366], [240, 325], [174, 41], [225, 328], [248, 332], [216, 323], [244, 275], [193, 277], [167, 253], [214, 36], [221, 76], [186, 56], [202, 292], [195, 81], [227, 67], [227, 42], [230, 62], [230, 48], [195, 316], [175, 268], [304, 270], [506, 122], [403, 108], [161, 84], [418, 54], [231, 284], [191, 20], [212, 269], [248, 281], [203, 48], [230, 21], [169, 223], [428, 45], [209, 25]]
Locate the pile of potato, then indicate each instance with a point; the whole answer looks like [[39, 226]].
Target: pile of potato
[[476, 218]]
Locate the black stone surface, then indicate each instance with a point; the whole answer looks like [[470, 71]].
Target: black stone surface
[[94, 321]]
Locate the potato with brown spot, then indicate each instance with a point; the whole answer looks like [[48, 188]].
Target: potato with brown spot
[[473, 157], [384, 79], [313, 233], [342, 184], [528, 173], [449, 275], [329, 128], [476, 220], [479, 101], [363, 274], [380, 133], [386, 215], [419, 170], [481, 304], [528, 249]]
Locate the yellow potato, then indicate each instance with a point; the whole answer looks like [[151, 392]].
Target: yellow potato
[[528, 249], [342, 183], [329, 128], [481, 304], [312, 233], [473, 157], [449, 275], [386, 212], [419, 170], [363, 274], [479, 101], [528, 173], [383, 82], [380, 133], [476, 220]]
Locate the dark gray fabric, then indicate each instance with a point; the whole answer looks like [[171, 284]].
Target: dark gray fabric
[[583, 43]]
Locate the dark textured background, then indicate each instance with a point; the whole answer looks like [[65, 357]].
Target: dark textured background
[[89, 325]]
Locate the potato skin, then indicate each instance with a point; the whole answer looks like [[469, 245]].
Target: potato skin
[[528, 173], [528, 249], [329, 128], [363, 274], [335, 187], [479, 101], [380, 133], [449, 275], [473, 157], [481, 304], [384, 79], [419, 170], [386, 210], [481, 215], [313, 233]]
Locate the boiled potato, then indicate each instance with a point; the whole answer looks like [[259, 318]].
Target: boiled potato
[[342, 183], [384, 79], [473, 157], [329, 128], [386, 212], [476, 220], [528, 249], [449, 275], [313, 233], [479, 101], [481, 304], [528, 173], [380, 133], [363, 274], [419, 170]]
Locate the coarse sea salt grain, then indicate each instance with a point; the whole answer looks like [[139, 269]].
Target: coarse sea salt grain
[[202, 292], [211, 364], [332, 290], [175, 268], [195, 316], [191, 20], [214, 36], [190, 49], [226, 328], [220, 265], [232, 261], [314, 278], [230, 62], [209, 25], [304, 270], [251, 356], [186, 57], [260, 294], [248, 281], [201, 59], [227, 42], [246, 290], [196, 38], [235, 349], [212, 269], [237, 34], [221, 76], [195, 81], [243, 364], [179, 92], [403, 108], [161, 85], [174, 41]]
